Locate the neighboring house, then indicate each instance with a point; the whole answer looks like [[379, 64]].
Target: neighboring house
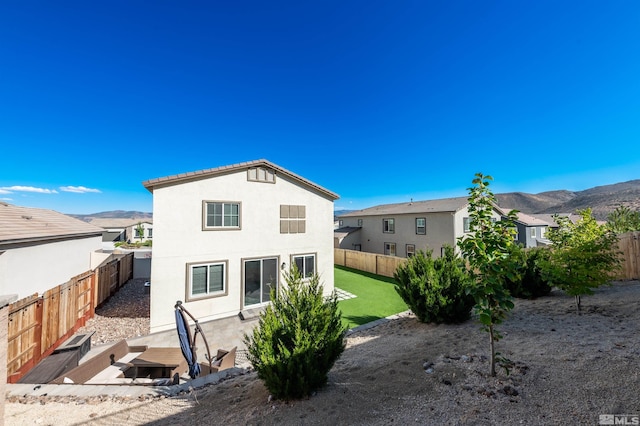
[[224, 236], [402, 229], [40, 249], [531, 230], [116, 230]]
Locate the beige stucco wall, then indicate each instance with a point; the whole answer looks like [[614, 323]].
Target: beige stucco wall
[[38, 268], [179, 239], [442, 228]]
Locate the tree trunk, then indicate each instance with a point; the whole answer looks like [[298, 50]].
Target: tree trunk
[[492, 369], [578, 303]]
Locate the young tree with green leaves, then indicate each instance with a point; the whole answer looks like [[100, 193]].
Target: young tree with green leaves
[[583, 255], [623, 219], [139, 231], [298, 338], [486, 249]]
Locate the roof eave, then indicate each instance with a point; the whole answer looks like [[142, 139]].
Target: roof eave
[[151, 184]]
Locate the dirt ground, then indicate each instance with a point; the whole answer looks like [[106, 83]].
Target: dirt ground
[[567, 369]]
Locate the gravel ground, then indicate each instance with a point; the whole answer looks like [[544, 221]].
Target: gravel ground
[[568, 369], [125, 315]]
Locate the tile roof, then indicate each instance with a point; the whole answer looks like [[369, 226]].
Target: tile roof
[[548, 218], [529, 220], [27, 224], [204, 174], [414, 207]]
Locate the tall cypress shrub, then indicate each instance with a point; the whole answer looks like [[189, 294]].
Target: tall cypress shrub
[[298, 338]]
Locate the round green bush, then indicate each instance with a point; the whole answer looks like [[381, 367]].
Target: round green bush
[[531, 283], [435, 289]]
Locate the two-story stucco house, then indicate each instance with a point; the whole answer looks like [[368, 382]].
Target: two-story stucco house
[[40, 249], [223, 237], [403, 228]]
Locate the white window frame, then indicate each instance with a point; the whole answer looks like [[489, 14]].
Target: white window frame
[[304, 272], [208, 294], [423, 227], [411, 252], [359, 222], [389, 225], [205, 215], [466, 224], [390, 249], [533, 232]]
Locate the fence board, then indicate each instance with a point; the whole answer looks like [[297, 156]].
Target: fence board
[[39, 324], [23, 332], [629, 245], [369, 262]]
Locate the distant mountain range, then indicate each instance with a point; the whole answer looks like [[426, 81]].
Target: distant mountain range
[[601, 199], [114, 214]]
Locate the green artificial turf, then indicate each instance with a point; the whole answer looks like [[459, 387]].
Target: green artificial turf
[[376, 296]]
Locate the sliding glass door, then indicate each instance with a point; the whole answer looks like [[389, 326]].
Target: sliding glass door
[[260, 275]]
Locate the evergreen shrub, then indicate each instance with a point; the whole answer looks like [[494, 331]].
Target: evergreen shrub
[[298, 338], [435, 289], [530, 282]]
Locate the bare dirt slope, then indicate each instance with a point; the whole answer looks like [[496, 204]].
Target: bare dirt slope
[[568, 369]]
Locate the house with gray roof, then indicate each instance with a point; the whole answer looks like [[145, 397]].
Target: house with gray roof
[[40, 249], [531, 230], [224, 236], [403, 228]]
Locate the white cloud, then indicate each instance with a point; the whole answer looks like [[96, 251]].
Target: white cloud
[[18, 188], [78, 189], [6, 199]]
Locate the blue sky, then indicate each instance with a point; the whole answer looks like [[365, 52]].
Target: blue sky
[[377, 101]]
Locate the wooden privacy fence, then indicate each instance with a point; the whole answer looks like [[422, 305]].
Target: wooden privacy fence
[[369, 262], [629, 245], [37, 325]]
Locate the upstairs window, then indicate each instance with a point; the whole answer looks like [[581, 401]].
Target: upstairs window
[[221, 215], [388, 226], [150, 232], [533, 232], [359, 222], [421, 226]]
